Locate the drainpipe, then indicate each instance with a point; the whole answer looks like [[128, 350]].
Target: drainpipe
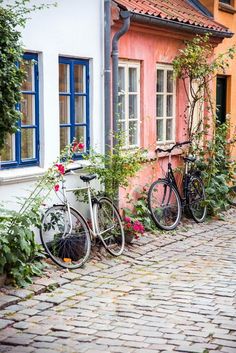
[[125, 16], [107, 73]]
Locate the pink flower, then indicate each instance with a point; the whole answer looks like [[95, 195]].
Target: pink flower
[[127, 219], [56, 187]]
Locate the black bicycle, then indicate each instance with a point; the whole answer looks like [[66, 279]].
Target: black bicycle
[[166, 201]]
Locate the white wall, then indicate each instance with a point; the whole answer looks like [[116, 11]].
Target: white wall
[[74, 28]]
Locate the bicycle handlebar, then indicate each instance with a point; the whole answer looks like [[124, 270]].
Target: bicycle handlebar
[[72, 169], [178, 144]]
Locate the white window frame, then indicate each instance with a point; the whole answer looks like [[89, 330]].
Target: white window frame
[[127, 65], [165, 68]]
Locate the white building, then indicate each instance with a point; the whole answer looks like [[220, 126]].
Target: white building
[[63, 94]]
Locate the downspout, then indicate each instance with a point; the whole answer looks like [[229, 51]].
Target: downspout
[[107, 74], [125, 16]]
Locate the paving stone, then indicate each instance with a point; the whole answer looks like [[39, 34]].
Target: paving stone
[[168, 293], [7, 300], [5, 323]]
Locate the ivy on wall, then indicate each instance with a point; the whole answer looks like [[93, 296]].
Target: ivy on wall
[[13, 18]]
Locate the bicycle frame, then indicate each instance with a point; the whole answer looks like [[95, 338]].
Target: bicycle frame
[[67, 204], [171, 178]]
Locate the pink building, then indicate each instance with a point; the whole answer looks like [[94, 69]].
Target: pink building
[[151, 102]]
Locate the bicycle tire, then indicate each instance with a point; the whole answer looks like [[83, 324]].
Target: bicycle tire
[[164, 204], [68, 248], [109, 226], [231, 195], [195, 199]]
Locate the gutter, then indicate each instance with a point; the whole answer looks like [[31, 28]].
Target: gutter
[[148, 19], [107, 74], [125, 16]]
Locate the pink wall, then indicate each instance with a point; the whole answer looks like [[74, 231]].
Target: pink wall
[[150, 47]]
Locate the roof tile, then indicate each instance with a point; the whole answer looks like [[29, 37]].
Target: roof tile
[[175, 10]]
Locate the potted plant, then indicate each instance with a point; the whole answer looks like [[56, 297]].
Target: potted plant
[[133, 229]]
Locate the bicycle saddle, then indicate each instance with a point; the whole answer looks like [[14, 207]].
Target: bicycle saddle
[[88, 177], [189, 159]]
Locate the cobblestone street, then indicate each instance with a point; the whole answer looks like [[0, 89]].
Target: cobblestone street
[[167, 293]]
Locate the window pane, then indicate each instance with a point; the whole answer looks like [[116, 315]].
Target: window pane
[[133, 107], [121, 107], [121, 79], [80, 135], [169, 107], [121, 126], [160, 102], [64, 106], [169, 81], [64, 137], [64, 81], [27, 143], [28, 109], [28, 84], [8, 151], [169, 129], [80, 109], [132, 79], [133, 133], [79, 78], [160, 80], [159, 130]]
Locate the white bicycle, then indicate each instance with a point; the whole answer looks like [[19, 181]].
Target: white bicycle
[[67, 236]]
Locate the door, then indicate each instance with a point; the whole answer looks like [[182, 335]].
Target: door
[[221, 93]]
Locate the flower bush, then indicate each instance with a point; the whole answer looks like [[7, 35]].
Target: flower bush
[[133, 227], [20, 255]]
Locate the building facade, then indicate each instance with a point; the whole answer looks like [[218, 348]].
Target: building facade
[[152, 101], [62, 96]]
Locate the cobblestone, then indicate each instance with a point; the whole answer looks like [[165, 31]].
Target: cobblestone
[[167, 293]]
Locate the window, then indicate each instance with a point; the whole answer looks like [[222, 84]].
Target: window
[[221, 95], [165, 104], [74, 101], [226, 1], [22, 148], [129, 102]]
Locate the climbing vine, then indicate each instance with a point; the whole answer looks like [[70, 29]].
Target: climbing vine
[[197, 67]]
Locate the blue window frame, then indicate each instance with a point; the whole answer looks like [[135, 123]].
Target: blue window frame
[[74, 101], [22, 148]]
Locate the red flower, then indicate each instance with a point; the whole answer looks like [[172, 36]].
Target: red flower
[[56, 187], [127, 219], [81, 146], [77, 146], [60, 168]]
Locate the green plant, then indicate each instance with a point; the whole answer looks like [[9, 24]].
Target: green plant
[[196, 67], [20, 255], [12, 17], [115, 168]]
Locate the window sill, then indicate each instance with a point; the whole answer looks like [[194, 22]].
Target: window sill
[[226, 8], [21, 175]]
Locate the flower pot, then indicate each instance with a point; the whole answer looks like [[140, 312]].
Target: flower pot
[[129, 237], [2, 279]]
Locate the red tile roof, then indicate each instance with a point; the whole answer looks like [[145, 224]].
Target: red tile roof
[[180, 11]]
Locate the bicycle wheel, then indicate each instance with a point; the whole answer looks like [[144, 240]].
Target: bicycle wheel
[[65, 236], [231, 196], [195, 199], [164, 204], [109, 226]]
